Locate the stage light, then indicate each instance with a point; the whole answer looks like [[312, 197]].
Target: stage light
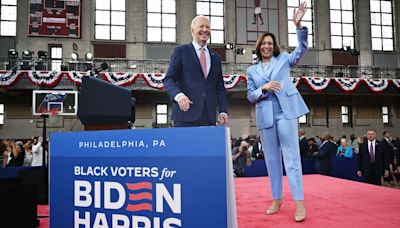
[[42, 54], [27, 55], [89, 56], [240, 51], [12, 54], [74, 56], [229, 46]]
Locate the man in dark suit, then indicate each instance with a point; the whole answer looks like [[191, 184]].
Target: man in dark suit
[[194, 81], [388, 150], [372, 161], [324, 155], [303, 143]]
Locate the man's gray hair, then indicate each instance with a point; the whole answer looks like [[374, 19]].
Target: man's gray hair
[[195, 19]]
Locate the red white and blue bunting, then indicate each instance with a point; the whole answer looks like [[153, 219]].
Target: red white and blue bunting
[[317, 84], [296, 80], [396, 82], [120, 79], [231, 81], [8, 78], [45, 78], [347, 84], [155, 80], [377, 85]]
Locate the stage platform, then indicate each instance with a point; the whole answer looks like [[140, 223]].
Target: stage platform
[[330, 202]]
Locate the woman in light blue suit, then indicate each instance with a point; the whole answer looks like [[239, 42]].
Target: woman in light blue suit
[[278, 105]]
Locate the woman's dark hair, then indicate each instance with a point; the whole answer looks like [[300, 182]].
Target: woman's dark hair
[[277, 49]]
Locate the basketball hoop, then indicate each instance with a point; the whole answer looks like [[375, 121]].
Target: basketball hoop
[[53, 113]]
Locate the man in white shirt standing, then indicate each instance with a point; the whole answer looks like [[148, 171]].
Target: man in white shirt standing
[[37, 151]]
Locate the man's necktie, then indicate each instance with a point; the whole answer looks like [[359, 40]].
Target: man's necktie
[[371, 153], [203, 61]]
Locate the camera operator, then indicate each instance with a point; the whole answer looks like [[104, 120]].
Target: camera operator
[[241, 157]]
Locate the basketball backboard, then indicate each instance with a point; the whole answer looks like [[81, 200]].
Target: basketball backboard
[[54, 102]]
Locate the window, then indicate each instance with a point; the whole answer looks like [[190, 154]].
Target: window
[[381, 25], [1, 114], [161, 21], [307, 21], [8, 18], [56, 57], [345, 114], [385, 114], [110, 20], [214, 10], [303, 119], [161, 114], [342, 23]]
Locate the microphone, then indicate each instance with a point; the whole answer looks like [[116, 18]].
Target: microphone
[[96, 71]]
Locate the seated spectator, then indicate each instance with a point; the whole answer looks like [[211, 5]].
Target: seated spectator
[[312, 147], [344, 151], [241, 157]]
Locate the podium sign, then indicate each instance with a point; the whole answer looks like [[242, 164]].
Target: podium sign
[[152, 178]]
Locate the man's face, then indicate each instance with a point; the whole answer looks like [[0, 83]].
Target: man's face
[[371, 135], [201, 30], [387, 135], [35, 141]]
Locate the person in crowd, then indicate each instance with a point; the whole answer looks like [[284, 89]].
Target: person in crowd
[[194, 81], [257, 12], [37, 151], [318, 141], [241, 157], [324, 155], [353, 143], [278, 105], [312, 147], [28, 153], [372, 163], [303, 143], [360, 141], [388, 150], [344, 151], [17, 154], [256, 149]]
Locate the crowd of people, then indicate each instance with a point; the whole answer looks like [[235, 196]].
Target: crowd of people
[[372, 162], [22, 152]]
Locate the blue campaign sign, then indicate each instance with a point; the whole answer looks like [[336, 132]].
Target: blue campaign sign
[[151, 178]]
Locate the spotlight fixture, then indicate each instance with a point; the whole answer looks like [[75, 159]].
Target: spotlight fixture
[[27, 55], [42, 54], [352, 51], [12, 54], [89, 56], [74, 56], [229, 46], [240, 51]]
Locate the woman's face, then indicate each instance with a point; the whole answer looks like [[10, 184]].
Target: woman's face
[[267, 48], [343, 143]]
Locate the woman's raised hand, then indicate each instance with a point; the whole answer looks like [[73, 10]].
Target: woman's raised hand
[[299, 13]]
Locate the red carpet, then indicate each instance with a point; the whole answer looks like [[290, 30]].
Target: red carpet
[[330, 202]]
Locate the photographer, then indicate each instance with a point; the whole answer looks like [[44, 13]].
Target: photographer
[[241, 157]]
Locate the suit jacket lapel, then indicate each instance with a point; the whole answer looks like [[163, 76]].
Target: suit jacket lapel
[[271, 68], [212, 58], [267, 75], [196, 58]]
